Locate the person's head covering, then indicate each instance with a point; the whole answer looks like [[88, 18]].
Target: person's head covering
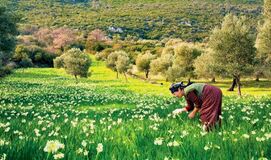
[[175, 86]]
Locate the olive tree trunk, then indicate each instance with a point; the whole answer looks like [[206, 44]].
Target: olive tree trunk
[[232, 85]]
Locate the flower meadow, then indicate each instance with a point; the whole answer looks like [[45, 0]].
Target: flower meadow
[[45, 116]]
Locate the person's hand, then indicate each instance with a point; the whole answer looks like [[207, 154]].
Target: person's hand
[[178, 111], [191, 115]]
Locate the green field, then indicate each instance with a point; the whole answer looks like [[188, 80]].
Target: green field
[[131, 120]]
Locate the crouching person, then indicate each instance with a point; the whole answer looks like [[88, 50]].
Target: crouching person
[[202, 98]]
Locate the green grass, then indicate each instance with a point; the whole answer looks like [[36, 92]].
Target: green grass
[[104, 107], [126, 118]]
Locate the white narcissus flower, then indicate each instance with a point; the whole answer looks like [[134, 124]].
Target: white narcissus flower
[[158, 141], [80, 150], [177, 111], [184, 133], [99, 147], [2, 142], [37, 132], [59, 156], [206, 148], [166, 158], [169, 144], [175, 143], [210, 146], [259, 139], [203, 133], [267, 135], [246, 136], [85, 153], [216, 146], [3, 157], [7, 129], [66, 120], [119, 120], [84, 143], [53, 146]]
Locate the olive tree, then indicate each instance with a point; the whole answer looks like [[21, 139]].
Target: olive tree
[[233, 48], [75, 62], [163, 63], [176, 62], [123, 64], [119, 62], [183, 60], [8, 32], [263, 43], [143, 62], [204, 65]]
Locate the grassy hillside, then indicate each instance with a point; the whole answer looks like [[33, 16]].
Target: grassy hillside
[[43, 106], [103, 77], [148, 19]]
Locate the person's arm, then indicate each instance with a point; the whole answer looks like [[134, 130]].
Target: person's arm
[[193, 113], [190, 100], [190, 105], [193, 98]]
